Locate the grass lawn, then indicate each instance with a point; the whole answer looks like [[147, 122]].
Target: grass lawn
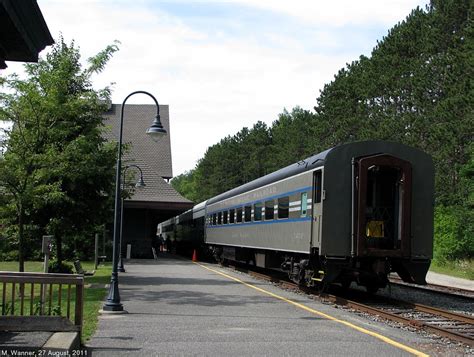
[[94, 291], [460, 269]]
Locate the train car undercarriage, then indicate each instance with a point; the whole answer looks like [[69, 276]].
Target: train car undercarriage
[[313, 270]]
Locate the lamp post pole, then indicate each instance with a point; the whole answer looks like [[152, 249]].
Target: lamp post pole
[[113, 304], [140, 183]]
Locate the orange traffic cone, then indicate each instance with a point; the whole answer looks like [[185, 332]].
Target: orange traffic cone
[[195, 258]]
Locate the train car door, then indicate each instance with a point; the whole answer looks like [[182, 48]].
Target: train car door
[[383, 206], [317, 208]]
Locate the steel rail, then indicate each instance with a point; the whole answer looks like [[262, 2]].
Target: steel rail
[[461, 327]]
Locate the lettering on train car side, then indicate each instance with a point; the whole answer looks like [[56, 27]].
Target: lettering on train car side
[[298, 236], [260, 194]]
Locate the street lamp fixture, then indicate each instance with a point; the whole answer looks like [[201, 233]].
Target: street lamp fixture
[[139, 184], [113, 304], [156, 130]]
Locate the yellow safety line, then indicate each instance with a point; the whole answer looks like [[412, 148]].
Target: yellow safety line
[[329, 317]]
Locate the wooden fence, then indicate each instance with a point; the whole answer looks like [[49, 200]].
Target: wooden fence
[[41, 302]]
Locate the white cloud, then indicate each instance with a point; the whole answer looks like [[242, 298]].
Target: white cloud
[[216, 83], [336, 13]]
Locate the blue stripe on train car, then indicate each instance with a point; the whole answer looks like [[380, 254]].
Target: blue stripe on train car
[[236, 225], [263, 199]]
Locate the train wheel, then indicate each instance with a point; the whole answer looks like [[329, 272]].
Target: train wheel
[[371, 289], [345, 284]]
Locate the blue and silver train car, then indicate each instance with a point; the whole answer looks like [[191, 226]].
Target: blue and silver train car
[[355, 212]]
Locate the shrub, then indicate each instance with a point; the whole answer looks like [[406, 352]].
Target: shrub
[[56, 267], [9, 256], [454, 233]]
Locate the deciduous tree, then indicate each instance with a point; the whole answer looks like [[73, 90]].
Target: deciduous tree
[[57, 170]]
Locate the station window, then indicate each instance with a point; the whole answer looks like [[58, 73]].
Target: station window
[[269, 210], [239, 215], [304, 204], [232, 216], [283, 207], [214, 219], [257, 211], [248, 213], [224, 217]]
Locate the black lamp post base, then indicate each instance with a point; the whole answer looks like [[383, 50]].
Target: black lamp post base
[[113, 307], [116, 312], [121, 268]]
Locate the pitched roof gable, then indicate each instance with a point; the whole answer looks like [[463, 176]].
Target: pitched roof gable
[[154, 158]]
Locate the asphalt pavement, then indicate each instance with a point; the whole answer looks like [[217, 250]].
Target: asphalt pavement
[[180, 308]]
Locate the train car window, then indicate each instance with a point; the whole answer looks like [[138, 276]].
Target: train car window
[[214, 219], [239, 215], [304, 204], [232, 216], [219, 218], [257, 211], [283, 207], [248, 213], [224, 216], [317, 187], [269, 210]]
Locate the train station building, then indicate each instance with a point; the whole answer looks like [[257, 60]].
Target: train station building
[[157, 200], [23, 31]]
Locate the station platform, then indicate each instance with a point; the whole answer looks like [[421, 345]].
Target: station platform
[[180, 308], [446, 280]]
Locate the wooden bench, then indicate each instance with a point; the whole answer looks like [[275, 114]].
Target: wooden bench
[[80, 270]]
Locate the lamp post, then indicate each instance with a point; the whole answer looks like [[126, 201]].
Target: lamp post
[[113, 304], [140, 184]]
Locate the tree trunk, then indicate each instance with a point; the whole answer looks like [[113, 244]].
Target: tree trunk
[[21, 238], [59, 247]]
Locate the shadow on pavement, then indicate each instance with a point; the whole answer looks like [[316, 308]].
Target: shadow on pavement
[[164, 280], [191, 297]]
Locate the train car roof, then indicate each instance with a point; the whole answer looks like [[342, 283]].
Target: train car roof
[[167, 222], [199, 210], [337, 154], [308, 164]]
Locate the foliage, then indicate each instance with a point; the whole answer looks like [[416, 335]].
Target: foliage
[[249, 154], [415, 88], [57, 171], [185, 184], [60, 267], [454, 233]]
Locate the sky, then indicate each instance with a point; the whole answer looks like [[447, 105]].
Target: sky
[[221, 65]]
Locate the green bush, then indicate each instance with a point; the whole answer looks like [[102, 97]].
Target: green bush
[[9, 256], [454, 233], [56, 267]]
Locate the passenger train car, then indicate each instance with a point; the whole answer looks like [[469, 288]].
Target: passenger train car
[[355, 212]]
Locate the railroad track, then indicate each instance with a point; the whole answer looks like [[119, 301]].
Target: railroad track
[[444, 323]]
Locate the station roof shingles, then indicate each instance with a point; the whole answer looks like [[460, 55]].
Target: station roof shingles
[[154, 158]]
